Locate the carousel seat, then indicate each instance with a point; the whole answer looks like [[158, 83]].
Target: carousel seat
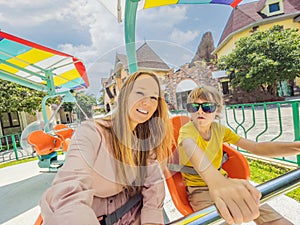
[[43, 143], [65, 133]]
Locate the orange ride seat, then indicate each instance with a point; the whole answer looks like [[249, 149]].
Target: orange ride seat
[[39, 220], [236, 167], [43, 143], [65, 133]]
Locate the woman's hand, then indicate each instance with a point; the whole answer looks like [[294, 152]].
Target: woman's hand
[[236, 200]]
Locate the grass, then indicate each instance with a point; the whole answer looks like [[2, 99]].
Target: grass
[[262, 172], [11, 163]]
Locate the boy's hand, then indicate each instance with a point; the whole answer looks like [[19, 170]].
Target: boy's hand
[[236, 200]]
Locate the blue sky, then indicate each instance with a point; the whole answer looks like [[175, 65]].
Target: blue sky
[[87, 30]]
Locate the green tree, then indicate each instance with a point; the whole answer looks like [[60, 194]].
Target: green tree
[[101, 100], [68, 106], [86, 103], [14, 98], [101, 104], [264, 59]]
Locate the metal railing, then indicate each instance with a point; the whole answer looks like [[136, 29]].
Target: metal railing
[[269, 189], [266, 121], [10, 147]]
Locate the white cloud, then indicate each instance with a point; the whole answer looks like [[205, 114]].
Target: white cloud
[[25, 13], [183, 37], [104, 31], [162, 17]]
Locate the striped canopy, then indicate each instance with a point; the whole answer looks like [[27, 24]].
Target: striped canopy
[[39, 67], [117, 7], [155, 3]]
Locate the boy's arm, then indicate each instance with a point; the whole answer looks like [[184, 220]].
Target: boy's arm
[[269, 148], [236, 200]]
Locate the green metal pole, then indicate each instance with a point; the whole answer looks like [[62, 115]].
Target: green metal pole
[[44, 111], [50, 82], [130, 19], [67, 97], [295, 106], [14, 145], [22, 81]]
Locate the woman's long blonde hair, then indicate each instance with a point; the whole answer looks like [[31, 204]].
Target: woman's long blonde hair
[[132, 148]]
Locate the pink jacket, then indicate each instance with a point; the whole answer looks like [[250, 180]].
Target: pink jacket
[[85, 186]]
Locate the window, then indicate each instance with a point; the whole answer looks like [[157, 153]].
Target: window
[[274, 7], [10, 119], [181, 98], [225, 87]]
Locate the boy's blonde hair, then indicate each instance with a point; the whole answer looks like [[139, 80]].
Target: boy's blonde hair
[[207, 93]]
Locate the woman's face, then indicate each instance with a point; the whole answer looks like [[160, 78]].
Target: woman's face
[[143, 100]]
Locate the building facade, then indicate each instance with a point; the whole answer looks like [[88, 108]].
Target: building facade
[[175, 84], [258, 16]]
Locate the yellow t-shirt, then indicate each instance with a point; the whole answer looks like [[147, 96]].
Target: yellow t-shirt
[[212, 148]]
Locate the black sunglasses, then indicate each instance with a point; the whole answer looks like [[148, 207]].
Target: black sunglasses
[[207, 107]]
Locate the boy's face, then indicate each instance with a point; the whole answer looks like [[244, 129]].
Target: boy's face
[[201, 117]]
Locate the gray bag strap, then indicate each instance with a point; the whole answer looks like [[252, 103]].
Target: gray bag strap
[[114, 217], [191, 170], [183, 169]]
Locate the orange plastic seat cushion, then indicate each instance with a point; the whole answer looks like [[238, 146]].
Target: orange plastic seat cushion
[[65, 133], [43, 143]]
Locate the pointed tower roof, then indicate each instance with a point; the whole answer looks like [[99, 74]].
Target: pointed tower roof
[[147, 58]]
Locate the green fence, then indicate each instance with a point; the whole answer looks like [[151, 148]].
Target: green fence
[[10, 147], [268, 121]]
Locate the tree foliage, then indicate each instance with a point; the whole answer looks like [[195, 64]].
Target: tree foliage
[[14, 98], [264, 59], [85, 102]]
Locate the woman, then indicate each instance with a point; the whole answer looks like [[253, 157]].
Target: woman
[[200, 146], [112, 169]]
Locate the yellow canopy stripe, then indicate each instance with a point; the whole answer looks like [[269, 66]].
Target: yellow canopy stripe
[[156, 3]]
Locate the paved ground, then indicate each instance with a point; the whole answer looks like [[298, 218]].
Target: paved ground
[[22, 186]]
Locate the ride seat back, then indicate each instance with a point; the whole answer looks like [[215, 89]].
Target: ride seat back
[[39, 220], [43, 143], [174, 179], [65, 133], [177, 122], [236, 167]]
